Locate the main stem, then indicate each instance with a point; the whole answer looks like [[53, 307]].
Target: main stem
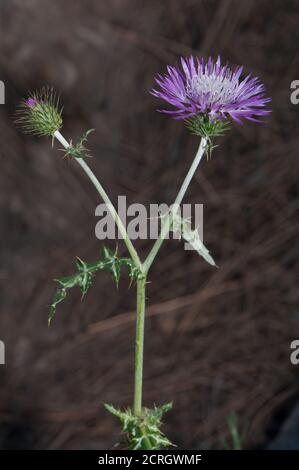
[[139, 345]]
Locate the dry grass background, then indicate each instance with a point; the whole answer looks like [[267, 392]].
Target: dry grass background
[[216, 340]]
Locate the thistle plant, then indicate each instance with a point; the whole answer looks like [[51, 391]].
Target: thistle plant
[[209, 97]]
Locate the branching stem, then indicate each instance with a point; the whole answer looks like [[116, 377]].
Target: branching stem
[[143, 267]]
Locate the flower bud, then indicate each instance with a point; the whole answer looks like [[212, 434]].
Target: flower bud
[[40, 113]]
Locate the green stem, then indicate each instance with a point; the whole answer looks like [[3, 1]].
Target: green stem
[[139, 345], [107, 201], [144, 268], [167, 225]]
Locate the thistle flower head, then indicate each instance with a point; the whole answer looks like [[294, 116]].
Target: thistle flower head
[[210, 92], [40, 113]]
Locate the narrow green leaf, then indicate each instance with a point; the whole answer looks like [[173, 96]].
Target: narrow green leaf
[[232, 422]]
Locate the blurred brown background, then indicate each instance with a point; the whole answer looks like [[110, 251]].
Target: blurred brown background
[[217, 341]]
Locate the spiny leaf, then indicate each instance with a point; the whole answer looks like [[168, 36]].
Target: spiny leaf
[[58, 297], [159, 411], [191, 236], [143, 432], [85, 271], [111, 263], [78, 150]]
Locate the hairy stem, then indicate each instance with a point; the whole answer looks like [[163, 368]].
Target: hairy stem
[[167, 225], [107, 201], [139, 345]]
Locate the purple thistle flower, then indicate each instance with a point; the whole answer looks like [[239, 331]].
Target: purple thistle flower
[[211, 90]]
